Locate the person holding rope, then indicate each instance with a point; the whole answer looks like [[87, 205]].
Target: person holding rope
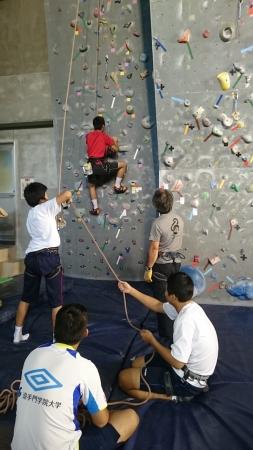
[[182, 370], [99, 146], [57, 386], [42, 255], [164, 253]]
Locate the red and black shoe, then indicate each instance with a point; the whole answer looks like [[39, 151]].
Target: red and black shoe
[[95, 212], [121, 190]]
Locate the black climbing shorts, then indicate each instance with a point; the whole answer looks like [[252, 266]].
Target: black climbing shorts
[[156, 373], [103, 170], [44, 263], [95, 438]]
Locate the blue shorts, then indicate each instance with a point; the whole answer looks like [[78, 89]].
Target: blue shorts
[[155, 375], [95, 438], [44, 263]]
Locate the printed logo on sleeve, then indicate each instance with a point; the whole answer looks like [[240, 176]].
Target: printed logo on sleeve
[[41, 380]]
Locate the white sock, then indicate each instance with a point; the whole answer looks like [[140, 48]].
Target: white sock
[[18, 336], [118, 182], [94, 203]]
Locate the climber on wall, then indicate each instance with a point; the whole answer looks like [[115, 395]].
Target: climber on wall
[[99, 146]]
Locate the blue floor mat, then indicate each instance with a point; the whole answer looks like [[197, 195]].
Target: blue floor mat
[[220, 419]]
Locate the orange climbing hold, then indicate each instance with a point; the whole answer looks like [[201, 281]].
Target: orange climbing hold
[[185, 37]]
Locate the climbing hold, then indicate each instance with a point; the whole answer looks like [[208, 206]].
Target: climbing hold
[[114, 77], [224, 80], [144, 74], [216, 131], [185, 39], [206, 34], [129, 93], [249, 188], [206, 122], [225, 141], [147, 123], [130, 109], [247, 138], [226, 121], [227, 32], [168, 160], [143, 57], [195, 203], [235, 187]]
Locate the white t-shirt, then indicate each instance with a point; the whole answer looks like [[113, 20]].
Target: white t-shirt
[[195, 340], [54, 379], [41, 226]]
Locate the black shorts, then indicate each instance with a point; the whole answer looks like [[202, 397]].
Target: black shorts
[[155, 375], [95, 438], [37, 265], [103, 170]]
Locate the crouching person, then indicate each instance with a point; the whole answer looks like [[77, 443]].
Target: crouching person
[[182, 370], [56, 381]]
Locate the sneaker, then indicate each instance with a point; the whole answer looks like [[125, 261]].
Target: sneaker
[[121, 190], [95, 212], [20, 338]]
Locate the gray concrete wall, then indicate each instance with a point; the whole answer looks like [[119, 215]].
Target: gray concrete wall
[[36, 158], [122, 228], [25, 96], [217, 182], [23, 37]]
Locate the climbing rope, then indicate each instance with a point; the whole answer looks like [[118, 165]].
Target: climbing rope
[[8, 398], [67, 96], [120, 402]]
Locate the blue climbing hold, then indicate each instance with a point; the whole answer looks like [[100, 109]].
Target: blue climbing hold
[[242, 289], [197, 277]]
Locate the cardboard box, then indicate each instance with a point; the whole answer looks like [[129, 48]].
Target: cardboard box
[[11, 268], [4, 255]]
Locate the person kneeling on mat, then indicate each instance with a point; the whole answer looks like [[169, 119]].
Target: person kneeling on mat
[[57, 385], [99, 146], [183, 369]]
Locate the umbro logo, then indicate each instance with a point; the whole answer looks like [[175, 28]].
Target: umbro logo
[[41, 380]]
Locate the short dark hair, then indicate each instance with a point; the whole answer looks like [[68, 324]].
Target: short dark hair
[[98, 123], [181, 285], [163, 200], [70, 324], [34, 192]]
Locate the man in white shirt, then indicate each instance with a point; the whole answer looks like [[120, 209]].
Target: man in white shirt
[[183, 369], [57, 381], [42, 257]]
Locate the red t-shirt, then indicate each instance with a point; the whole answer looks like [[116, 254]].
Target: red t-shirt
[[97, 143]]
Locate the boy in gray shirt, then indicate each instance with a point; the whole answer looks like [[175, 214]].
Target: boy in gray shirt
[[164, 256]]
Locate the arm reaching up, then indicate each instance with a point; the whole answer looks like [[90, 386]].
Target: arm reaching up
[[146, 300], [63, 197]]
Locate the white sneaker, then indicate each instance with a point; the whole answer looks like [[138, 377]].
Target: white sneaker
[[19, 338]]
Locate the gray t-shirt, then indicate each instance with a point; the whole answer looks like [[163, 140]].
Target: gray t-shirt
[[168, 230]]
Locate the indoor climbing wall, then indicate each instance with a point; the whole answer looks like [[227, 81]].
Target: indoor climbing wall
[[111, 76], [202, 52]]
